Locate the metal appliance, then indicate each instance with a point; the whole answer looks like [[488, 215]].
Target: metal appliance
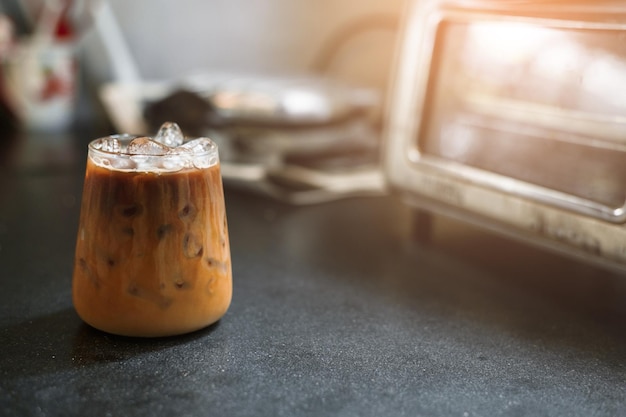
[[511, 114]]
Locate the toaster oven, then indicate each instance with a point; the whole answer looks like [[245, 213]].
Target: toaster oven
[[511, 114]]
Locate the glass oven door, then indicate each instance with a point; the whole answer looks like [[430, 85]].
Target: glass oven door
[[535, 107]]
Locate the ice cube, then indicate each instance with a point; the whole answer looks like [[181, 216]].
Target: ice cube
[[147, 163], [175, 162], [108, 144], [199, 146], [170, 134], [203, 150], [180, 151], [124, 164], [146, 146]]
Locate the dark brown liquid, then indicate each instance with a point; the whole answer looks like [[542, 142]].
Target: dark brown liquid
[[152, 252]]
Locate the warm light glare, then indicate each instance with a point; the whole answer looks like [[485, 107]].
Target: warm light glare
[[509, 42], [516, 53]]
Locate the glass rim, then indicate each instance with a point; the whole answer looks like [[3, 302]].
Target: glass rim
[[124, 138], [205, 157]]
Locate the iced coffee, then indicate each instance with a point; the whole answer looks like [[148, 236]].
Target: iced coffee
[[152, 252]]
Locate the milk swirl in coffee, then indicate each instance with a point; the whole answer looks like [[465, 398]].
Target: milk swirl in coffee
[[152, 253]]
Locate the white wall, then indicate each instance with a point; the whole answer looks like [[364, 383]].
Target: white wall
[[170, 39]]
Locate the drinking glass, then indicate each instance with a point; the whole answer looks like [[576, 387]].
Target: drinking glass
[[152, 252]]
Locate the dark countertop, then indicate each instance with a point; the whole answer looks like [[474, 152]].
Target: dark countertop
[[335, 312]]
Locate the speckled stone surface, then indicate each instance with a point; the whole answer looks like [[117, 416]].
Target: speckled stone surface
[[335, 313]]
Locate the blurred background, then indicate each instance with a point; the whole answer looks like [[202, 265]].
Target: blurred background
[[293, 91], [164, 41]]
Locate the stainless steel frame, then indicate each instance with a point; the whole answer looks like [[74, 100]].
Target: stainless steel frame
[[558, 220]]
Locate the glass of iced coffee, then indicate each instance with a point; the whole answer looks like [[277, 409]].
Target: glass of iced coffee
[[152, 251]]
